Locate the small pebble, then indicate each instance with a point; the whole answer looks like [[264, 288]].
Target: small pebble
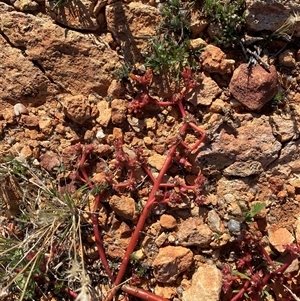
[[234, 103], [179, 290], [234, 226], [100, 134], [20, 109]]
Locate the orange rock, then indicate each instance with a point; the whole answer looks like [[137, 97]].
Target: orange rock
[[214, 60], [170, 262], [124, 206], [279, 238], [168, 221]]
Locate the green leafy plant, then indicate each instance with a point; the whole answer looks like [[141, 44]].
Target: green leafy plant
[[124, 71], [278, 98], [15, 166], [59, 3], [176, 18], [167, 54], [228, 16], [170, 50], [254, 210], [138, 267]]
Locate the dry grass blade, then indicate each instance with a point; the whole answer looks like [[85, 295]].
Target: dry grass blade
[[49, 235], [293, 295], [286, 30]]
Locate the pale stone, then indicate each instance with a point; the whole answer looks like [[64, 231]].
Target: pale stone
[[243, 169], [151, 123], [117, 240], [160, 240], [104, 113], [29, 121], [71, 61], [167, 292], [9, 115], [20, 109], [118, 111], [205, 92], [253, 141], [197, 25], [117, 134], [287, 59], [214, 222], [115, 89], [26, 152], [139, 254], [157, 161], [19, 80], [271, 16], [217, 106], [131, 36], [283, 126], [148, 141], [295, 183], [136, 124], [197, 44], [26, 5], [206, 282], [49, 160], [45, 125]]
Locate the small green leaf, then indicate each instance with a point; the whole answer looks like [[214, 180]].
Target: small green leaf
[[256, 208], [241, 275], [250, 214]]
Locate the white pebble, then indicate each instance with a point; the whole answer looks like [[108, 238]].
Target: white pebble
[[235, 103], [20, 109], [100, 134]]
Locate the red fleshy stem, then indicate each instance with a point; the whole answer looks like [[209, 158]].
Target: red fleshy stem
[[280, 270], [242, 291], [142, 219], [142, 294], [157, 184], [267, 277], [98, 238], [128, 183], [70, 292], [267, 256], [85, 151], [94, 217]]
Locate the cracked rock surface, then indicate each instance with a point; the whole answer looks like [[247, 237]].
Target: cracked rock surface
[[68, 79]]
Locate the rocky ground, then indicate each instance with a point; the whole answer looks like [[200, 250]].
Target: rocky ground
[[61, 91]]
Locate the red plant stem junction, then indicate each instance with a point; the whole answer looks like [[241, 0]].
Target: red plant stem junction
[[154, 196], [97, 234], [149, 204], [269, 275]]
